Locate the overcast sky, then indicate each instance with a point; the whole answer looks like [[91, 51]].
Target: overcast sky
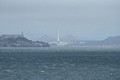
[[85, 19]]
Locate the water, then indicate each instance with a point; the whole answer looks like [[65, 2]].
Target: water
[[59, 64]]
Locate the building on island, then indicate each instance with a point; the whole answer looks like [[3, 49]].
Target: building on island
[[5, 36], [58, 42]]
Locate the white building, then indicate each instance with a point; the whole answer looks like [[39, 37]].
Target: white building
[[58, 42]]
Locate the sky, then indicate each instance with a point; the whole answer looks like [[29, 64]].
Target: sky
[[84, 19]]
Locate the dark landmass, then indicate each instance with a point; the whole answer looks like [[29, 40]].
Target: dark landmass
[[20, 41]]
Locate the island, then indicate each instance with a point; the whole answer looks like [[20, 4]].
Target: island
[[20, 41]]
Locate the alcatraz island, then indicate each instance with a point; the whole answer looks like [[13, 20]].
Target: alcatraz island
[[20, 41]]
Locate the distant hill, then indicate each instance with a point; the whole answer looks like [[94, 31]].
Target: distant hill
[[20, 41], [68, 38], [110, 41], [47, 38]]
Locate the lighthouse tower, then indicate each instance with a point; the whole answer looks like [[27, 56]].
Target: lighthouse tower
[[58, 37], [22, 34]]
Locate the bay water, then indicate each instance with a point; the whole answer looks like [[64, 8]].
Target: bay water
[[60, 63]]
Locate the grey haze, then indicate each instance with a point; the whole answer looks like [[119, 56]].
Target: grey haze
[[85, 19]]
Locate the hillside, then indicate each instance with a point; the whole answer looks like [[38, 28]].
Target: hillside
[[20, 42], [110, 41]]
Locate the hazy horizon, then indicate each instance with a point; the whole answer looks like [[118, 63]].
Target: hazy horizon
[[84, 19]]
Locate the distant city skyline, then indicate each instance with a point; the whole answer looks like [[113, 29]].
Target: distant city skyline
[[83, 19]]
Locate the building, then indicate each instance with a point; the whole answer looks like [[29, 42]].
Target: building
[[58, 42], [5, 36]]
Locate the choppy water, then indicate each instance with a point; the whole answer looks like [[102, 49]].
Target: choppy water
[[59, 64]]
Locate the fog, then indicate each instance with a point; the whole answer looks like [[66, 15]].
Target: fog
[[84, 19]]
